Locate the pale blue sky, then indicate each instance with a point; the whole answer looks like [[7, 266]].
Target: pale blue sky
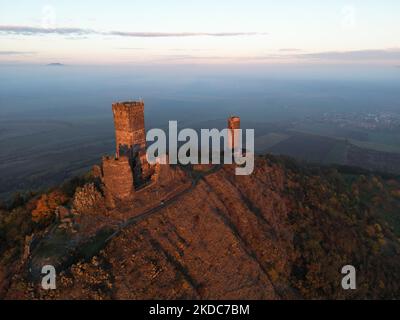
[[155, 31]]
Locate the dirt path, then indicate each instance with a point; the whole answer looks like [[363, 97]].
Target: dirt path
[[163, 203], [70, 255]]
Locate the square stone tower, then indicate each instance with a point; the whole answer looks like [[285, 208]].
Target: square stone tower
[[130, 134]]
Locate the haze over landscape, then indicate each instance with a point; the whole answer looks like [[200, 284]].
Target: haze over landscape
[[328, 70], [49, 113], [318, 82]]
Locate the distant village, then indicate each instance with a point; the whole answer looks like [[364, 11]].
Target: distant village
[[363, 120]]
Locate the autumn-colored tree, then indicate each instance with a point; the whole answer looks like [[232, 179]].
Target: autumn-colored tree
[[396, 193], [47, 204]]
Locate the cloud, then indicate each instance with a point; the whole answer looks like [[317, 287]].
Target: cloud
[[127, 48], [390, 55], [27, 30], [370, 56], [383, 54], [290, 50], [14, 53], [181, 34]]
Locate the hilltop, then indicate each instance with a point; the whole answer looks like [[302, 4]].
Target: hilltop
[[283, 232]]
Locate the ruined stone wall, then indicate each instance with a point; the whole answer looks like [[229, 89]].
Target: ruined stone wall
[[117, 177], [145, 168], [129, 126], [129, 170]]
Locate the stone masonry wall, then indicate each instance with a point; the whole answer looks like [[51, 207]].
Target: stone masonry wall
[[233, 123], [129, 125], [118, 177]]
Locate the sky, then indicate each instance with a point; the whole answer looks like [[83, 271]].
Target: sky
[[208, 31]]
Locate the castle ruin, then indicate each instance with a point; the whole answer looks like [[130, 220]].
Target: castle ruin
[[128, 170], [233, 134]]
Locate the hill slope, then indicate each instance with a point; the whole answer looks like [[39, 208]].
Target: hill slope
[[284, 232]]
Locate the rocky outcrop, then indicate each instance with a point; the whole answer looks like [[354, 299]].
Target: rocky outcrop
[[87, 199]]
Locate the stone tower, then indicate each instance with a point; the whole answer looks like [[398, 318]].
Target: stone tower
[[233, 134], [129, 169], [130, 135], [117, 176]]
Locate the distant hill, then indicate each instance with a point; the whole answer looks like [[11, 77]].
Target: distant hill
[[55, 64], [283, 232]]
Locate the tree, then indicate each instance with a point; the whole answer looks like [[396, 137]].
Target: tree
[[47, 204]]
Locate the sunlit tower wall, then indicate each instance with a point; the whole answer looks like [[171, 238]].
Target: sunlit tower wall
[[233, 133], [130, 134]]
